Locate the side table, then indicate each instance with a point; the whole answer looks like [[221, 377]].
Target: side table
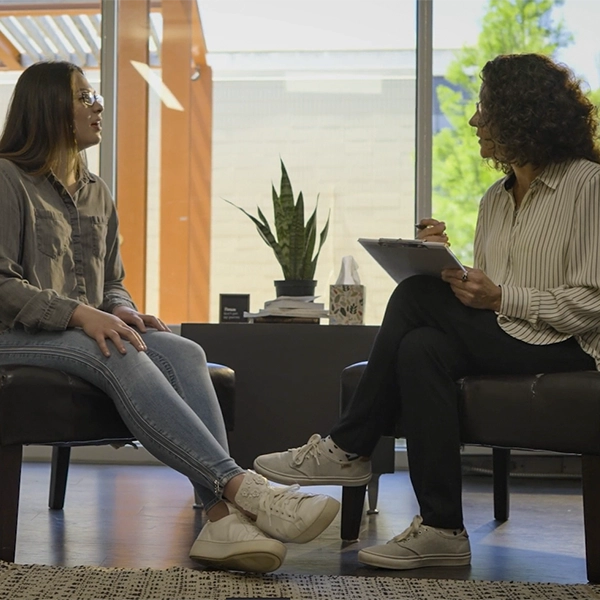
[[287, 378]]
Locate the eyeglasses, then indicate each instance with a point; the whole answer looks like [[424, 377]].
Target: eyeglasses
[[478, 108], [90, 98]]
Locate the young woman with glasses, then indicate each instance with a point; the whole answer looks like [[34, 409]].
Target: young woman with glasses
[[63, 305]]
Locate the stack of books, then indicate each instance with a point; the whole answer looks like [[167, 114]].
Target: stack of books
[[290, 309]]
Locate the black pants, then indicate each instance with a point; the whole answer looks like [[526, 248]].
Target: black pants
[[428, 340]]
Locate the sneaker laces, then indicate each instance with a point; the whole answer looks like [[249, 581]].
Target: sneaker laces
[[411, 531], [310, 449], [279, 500]]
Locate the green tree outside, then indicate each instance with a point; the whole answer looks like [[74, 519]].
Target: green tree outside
[[460, 176]]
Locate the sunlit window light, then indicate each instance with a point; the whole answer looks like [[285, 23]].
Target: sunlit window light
[[156, 83]]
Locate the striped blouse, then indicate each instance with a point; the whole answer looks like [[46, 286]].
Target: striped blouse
[[546, 255]]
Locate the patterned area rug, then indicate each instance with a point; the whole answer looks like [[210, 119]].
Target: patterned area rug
[[38, 582]]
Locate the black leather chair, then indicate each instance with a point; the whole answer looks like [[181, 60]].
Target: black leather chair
[[558, 412], [46, 407]]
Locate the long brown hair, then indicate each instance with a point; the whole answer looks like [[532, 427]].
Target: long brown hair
[[39, 131], [537, 112]]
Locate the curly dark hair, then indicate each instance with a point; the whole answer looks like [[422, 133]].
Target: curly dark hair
[[536, 112]]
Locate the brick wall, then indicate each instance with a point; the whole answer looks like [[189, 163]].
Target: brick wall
[[348, 139]]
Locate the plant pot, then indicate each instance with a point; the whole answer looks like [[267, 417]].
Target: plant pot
[[295, 287]]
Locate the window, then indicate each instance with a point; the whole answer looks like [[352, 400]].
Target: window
[[336, 102], [331, 92], [466, 34]]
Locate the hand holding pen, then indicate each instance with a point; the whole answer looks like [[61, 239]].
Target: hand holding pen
[[431, 230]]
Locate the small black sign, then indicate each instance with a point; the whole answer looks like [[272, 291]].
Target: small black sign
[[233, 307]]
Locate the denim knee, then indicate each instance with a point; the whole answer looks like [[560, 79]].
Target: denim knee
[[174, 346]]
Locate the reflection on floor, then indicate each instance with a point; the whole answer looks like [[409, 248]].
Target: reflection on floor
[[142, 516]]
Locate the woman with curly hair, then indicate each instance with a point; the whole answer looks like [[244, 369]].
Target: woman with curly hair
[[531, 304]]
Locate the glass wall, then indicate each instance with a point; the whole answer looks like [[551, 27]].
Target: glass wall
[[466, 34], [329, 88], [330, 93]]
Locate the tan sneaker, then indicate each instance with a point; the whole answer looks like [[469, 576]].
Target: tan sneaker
[[311, 465], [236, 543], [420, 546]]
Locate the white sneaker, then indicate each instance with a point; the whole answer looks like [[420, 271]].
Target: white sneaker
[[420, 546], [311, 465], [236, 543], [284, 513]]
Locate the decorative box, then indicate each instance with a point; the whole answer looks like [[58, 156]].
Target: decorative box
[[346, 304]]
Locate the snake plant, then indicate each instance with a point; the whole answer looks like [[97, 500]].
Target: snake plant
[[293, 241]]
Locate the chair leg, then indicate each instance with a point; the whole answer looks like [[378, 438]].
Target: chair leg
[[501, 467], [58, 476], [197, 501], [10, 476], [353, 500], [591, 515], [373, 494]]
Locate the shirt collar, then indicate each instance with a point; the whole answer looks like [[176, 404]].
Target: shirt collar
[[550, 176], [509, 181], [553, 173], [85, 177]]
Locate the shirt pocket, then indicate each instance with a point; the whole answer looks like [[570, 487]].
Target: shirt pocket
[[53, 233], [96, 227]]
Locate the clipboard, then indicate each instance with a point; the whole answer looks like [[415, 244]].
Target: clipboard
[[404, 258]]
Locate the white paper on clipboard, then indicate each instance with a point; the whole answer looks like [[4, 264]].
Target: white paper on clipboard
[[404, 258]]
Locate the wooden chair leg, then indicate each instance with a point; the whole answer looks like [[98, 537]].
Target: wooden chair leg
[[591, 515], [501, 466], [58, 476], [10, 476], [353, 500]]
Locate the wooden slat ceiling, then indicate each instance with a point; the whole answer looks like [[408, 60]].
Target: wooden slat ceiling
[[41, 30]]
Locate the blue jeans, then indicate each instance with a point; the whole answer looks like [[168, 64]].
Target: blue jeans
[[164, 396]]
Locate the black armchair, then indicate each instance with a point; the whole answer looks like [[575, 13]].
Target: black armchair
[[48, 407], [559, 412]]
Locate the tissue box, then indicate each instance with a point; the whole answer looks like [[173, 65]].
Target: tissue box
[[346, 304]]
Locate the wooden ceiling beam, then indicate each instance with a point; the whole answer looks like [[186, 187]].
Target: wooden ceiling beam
[[9, 55], [33, 9]]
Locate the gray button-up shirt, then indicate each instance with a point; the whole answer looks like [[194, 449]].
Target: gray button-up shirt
[[56, 250]]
